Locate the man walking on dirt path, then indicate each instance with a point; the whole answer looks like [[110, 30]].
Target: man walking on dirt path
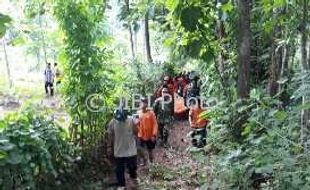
[[148, 130], [198, 124], [122, 130], [49, 80], [162, 109]]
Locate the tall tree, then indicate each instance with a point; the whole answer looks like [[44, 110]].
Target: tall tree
[[220, 30], [305, 124], [147, 38], [132, 44], [7, 64], [42, 37], [276, 62], [244, 49], [85, 88], [4, 21]]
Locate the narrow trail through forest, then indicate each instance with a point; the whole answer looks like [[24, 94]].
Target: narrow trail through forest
[[174, 167]]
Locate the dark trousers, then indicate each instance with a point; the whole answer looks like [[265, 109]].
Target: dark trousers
[[130, 163], [199, 137], [49, 88], [163, 132]]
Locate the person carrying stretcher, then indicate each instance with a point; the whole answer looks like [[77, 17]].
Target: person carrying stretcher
[[162, 109], [198, 124], [168, 84]]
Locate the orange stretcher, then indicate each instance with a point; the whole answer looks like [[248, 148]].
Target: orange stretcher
[[180, 111]]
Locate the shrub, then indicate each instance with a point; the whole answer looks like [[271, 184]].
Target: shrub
[[34, 153]]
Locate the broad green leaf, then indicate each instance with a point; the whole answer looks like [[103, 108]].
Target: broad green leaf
[[4, 20], [172, 4], [168, 42], [2, 154], [227, 7], [2, 124], [193, 48], [190, 17]]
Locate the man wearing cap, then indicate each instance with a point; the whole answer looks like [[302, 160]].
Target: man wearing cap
[[122, 130]]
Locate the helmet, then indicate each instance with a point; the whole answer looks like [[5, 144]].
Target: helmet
[[120, 114]]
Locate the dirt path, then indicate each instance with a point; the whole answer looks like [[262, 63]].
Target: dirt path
[[174, 167]]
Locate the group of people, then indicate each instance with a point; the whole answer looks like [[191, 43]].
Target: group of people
[[128, 135], [187, 87], [138, 134], [50, 74]]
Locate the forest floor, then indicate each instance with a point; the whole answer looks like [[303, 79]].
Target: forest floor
[[174, 167]]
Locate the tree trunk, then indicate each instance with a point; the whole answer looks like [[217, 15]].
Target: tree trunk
[[284, 73], [276, 57], [8, 70], [136, 41], [42, 38], [220, 30], [133, 53], [285, 97], [38, 59], [309, 56], [305, 125], [132, 42], [147, 38], [244, 49]]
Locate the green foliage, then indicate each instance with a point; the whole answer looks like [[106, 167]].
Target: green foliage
[[143, 78], [190, 17], [267, 143], [34, 8], [34, 152], [4, 21], [86, 67]]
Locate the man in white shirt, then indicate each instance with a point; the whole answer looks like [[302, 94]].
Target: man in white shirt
[[49, 80]]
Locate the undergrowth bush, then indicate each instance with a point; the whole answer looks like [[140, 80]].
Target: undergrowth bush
[[34, 153], [263, 152]]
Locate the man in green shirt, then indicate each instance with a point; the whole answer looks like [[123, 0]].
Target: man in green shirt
[[162, 109]]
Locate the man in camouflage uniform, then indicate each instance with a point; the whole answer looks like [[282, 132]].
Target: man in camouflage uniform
[[192, 90], [162, 109]]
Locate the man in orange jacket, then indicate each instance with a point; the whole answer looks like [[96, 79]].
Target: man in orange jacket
[[148, 130], [198, 124]]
